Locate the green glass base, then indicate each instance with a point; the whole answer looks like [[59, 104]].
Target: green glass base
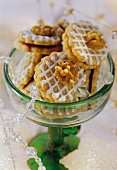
[[50, 156]]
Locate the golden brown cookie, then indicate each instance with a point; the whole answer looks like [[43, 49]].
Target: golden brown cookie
[[44, 50], [72, 57], [25, 69], [27, 36], [52, 73], [86, 42]]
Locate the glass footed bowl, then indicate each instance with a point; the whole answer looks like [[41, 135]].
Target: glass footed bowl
[[82, 111]]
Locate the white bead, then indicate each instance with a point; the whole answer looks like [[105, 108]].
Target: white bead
[[31, 152], [24, 144], [18, 119], [32, 88], [38, 160], [16, 137], [30, 106], [114, 34], [41, 168], [108, 79]]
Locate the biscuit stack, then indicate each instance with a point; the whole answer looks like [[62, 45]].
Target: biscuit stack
[[61, 76], [41, 39]]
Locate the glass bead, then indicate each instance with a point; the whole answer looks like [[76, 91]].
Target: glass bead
[[16, 137], [5, 59], [32, 88], [24, 114], [18, 119], [41, 168], [108, 78], [10, 129], [30, 106], [31, 152], [114, 34], [24, 144], [38, 160]]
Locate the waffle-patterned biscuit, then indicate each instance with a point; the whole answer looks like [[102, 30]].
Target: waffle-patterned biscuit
[[72, 57], [25, 69], [50, 88], [76, 36], [27, 36], [44, 50]]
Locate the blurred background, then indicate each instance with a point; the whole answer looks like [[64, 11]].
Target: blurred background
[[15, 15]]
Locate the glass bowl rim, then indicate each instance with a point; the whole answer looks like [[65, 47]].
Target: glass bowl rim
[[101, 92]]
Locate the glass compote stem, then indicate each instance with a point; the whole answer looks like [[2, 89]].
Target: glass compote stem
[[55, 136], [53, 145]]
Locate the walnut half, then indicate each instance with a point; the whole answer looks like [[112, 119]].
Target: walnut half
[[44, 30], [65, 72], [94, 40]]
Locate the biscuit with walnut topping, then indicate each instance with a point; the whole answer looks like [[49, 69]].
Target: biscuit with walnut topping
[[57, 78], [72, 57], [41, 35], [86, 42]]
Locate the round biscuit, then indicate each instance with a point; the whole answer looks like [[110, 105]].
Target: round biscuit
[[76, 33], [50, 88], [25, 69], [27, 36], [44, 50]]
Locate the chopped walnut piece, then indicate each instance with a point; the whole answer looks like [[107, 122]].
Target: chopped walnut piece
[[94, 40], [42, 30], [66, 72], [46, 30]]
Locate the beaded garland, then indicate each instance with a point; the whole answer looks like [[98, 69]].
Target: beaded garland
[[9, 123]]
